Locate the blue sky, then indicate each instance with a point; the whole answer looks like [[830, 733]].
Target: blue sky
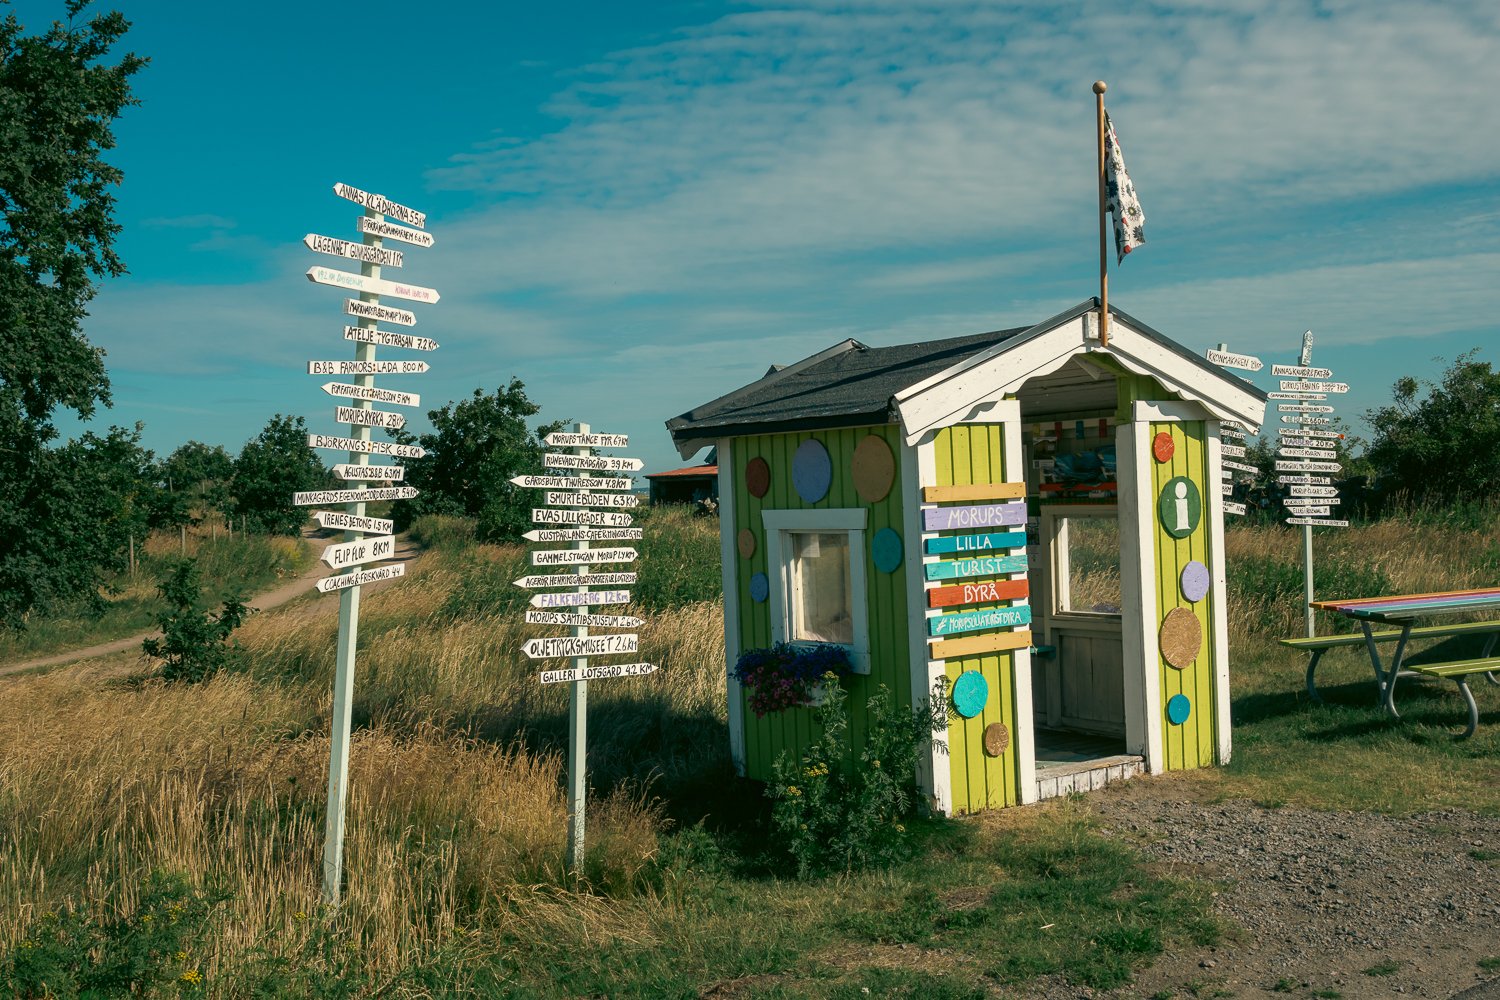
[[640, 206]]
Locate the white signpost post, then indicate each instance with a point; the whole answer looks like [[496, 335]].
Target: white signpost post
[[575, 609], [367, 539]]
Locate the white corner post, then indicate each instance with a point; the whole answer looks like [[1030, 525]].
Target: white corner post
[[578, 715], [728, 553]]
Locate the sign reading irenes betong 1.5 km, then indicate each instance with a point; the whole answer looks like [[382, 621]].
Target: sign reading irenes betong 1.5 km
[[367, 540]]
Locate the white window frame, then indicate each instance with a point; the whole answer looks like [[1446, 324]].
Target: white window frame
[[1054, 536], [851, 521]]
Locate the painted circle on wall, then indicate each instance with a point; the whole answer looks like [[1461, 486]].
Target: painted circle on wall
[[1180, 507], [812, 470], [886, 548], [970, 692], [746, 542], [1178, 709], [1180, 638], [1163, 447], [996, 739], [757, 477], [760, 588], [873, 468], [1195, 581]]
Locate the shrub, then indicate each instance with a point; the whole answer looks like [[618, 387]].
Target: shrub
[[195, 643], [786, 675]]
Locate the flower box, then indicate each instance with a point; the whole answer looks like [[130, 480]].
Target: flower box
[[791, 674]]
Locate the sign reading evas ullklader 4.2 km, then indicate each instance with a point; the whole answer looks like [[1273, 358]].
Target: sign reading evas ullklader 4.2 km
[[364, 554], [569, 497]]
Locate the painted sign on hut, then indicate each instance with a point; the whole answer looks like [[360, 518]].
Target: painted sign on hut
[[1027, 516]]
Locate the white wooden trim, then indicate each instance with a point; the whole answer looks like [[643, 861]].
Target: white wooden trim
[[918, 466], [1143, 734], [728, 553], [851, 520], [1163, 412], [1023, 739], [1220, 608]]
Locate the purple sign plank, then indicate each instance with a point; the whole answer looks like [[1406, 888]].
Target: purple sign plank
[[990, 515]]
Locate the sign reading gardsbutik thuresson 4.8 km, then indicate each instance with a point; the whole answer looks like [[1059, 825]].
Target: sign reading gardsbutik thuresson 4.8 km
[[367, 540], [571, 500]]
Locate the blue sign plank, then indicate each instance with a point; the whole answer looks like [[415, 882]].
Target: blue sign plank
[[990, 515], [953, 569], [976, 543], [978, 621]]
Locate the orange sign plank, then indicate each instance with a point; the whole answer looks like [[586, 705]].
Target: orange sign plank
[[977, 593]]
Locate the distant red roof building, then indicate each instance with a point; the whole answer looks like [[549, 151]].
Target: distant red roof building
[[689, 484]]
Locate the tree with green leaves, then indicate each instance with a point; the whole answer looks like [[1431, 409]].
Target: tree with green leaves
[[194, 643], [272, 466], [59, 97], [475, 447], [201, 475]]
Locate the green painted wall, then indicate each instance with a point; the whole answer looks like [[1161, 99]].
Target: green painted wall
[[794, 728], [965, 455], [1194, 743]]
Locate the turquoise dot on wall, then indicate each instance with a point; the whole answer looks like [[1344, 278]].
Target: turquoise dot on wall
[[760, 588], [886, 548], [970, 692], [1178, 709], [812, 470]]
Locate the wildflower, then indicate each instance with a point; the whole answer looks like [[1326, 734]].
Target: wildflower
[[192, 977], [146, 919], [27, 944], [900, 828], [793, 790], [299, 915], [182, 956], [875, 763]]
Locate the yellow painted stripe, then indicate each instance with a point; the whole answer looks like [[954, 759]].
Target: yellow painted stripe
[[948, 649], [979, 491]]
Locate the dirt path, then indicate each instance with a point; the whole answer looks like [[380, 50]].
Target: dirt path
[[280, 594]]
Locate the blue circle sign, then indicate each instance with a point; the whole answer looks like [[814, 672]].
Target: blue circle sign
[[760, 588], [970, 692], [1178, 709], [812, 470], [885, 547]]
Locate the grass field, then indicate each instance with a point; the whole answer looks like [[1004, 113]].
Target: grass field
[[456, 824]]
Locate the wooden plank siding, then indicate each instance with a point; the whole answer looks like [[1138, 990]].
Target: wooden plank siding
[[1192, 744], [794, 729], [965, 455]]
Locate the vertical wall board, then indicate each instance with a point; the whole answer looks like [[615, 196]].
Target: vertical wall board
[[1200, 549]]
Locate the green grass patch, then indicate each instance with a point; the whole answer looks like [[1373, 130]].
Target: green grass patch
[[1387, 968], [1489, 964]]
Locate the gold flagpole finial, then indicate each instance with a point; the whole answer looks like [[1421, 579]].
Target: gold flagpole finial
[[1100, 86]]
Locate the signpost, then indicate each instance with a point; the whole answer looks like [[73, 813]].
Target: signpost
[[367, 285], [1224, 359]]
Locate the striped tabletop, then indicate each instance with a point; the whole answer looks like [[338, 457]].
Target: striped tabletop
[[1407, 606]]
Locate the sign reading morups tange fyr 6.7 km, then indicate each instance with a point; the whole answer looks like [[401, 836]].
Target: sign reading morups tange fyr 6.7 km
[[367, 540], [570, 499]]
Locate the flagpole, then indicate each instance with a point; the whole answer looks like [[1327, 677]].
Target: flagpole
[[1099, 88]]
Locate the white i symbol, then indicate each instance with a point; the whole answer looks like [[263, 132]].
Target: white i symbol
[[1182, 507]]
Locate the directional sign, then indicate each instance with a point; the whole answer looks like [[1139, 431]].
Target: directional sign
[[598, 518], [582, 534], [1306, 452], [389, 314], [1310, 510], [391, 231], [974, 544], [381, 204], [1306, 420], [575, 580], [952, 569], [386, 338], [1239, 466], [353, 496], [372, 393], [559, 499], [1305, 480], [1317, 522], [342, 580], [598, 463], [366, 367], [991, 592], [1299, 371], [1233, 450], [1311, 432], [1230, 507], [1313, 491], [1232, 432], [1226, 360], [599, 673], [1226, 489], [582, 557], [352, 471], [572, 482], [354, 522], [1303, 408], [978, 621], [587, 645], [1302, 385], [1305, 357], [588, 621], [597, 599], [333, 443], [354, 251], [361, 550], [570, 439], [370, 286], [994, 515], [1297, 395], [1303, 466], [368, 418], [1303, 501]]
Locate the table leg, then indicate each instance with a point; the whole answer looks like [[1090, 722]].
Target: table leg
[[1463, 685], [1394, 673]]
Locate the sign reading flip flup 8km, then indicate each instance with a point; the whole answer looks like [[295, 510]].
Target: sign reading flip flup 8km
[[568, 498], [366, 539]]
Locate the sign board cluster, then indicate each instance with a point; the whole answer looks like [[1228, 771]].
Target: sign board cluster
[[1232, 432], [1306, 450]]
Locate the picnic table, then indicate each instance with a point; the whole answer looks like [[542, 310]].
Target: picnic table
[[1404, 611]]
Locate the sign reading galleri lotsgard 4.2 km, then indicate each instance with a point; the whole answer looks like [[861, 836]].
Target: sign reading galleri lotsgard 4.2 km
[[582, 480]]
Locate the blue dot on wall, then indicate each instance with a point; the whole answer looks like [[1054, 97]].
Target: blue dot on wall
[[812, 470], [886, 548], [970, 692], [1178, 709], [760, 588]]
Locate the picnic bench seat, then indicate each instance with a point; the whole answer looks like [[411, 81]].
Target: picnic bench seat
[[1318, 645], [1460, 671]]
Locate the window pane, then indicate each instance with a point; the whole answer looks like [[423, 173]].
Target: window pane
[[1093, 561], [820, 601]]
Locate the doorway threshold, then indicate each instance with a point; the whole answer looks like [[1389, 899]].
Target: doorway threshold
[[1079, 762]]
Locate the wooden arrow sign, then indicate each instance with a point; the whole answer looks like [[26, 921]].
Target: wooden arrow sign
[[342, 580], [1302, 385], [597, 463], [1297, 395], [354, 472], [572, 482], [588, 621], [978, 621], [1304, 480], [386, 314], [381, 204], [333, 443], [386, 338], [361, 550], [573, 439], [582, 557], [559, 499], [1224, 359], [575, 580], [1239, 466], [1299, 371], [596, 673], [1232, 432], [556, 647], [1233, 450], [391, 231], [1293, 452], [354, 251], [372, 393], [1303, 466], [366, 367], [992, 592], [973, 544], [1306, 419], [1310, 510], [1303, 408], [354, 522], [1230, 507], [1311, 432], [983, 516], [988, 566], [1313, 491], [369, 418], [1317, 522], [353, 496], [370, 286], [598, 598], [582, 534], [597, 518]]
